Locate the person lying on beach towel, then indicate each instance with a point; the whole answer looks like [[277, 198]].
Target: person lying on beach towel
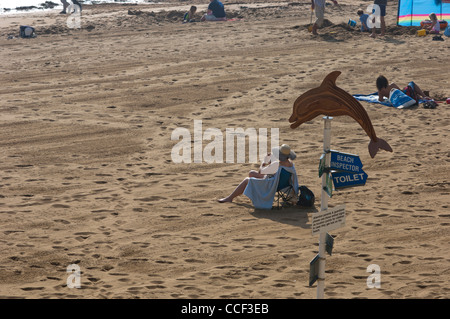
[[373, 98], [412, 90], [385, 91]]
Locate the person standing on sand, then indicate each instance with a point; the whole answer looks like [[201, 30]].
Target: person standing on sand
[[382, 4], [66, 4], [319, 7]]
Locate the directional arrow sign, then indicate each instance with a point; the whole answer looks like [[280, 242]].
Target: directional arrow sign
[[345, 162], [347, 179]]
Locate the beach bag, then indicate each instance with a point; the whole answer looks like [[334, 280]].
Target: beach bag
[[400, 100], [306, 197], [27, 32], [447, 31]]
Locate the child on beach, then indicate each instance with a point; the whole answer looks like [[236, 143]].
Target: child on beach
[[189, 16], [435, 27], [363, 18]]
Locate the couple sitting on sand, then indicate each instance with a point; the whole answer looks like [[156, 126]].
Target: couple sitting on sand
[[261, 186], [216, 12]]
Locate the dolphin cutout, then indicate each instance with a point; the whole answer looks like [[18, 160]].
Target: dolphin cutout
[[330, 100]]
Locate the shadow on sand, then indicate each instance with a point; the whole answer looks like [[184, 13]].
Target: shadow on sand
[[295, 216]]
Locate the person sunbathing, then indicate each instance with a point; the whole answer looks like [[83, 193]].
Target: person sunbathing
[[285, 157], [412, 89]]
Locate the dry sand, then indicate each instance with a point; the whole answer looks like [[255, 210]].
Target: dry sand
[[87, 177]]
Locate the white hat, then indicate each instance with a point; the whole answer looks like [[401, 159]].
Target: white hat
[[284, 152]]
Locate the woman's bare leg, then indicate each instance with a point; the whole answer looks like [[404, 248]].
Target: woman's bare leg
[[241, 187], [256, 174], [238, 191]]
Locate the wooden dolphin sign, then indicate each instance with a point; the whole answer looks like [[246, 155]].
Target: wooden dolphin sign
[[330, 100]]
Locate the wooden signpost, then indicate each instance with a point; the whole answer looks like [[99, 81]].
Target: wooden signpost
[[339, 169], [342, 170]]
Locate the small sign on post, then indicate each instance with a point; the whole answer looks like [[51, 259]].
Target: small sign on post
[[322, 164], [314, 270], [328, 188], [345, 170], [327, 220], [329, 241], [346, 179], [345, 162]]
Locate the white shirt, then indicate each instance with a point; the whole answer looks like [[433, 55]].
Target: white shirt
[[437, 27]]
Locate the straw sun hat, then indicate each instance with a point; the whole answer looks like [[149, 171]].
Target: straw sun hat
[[284, 152]]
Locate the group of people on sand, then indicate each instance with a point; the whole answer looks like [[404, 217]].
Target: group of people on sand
[[319, 8], [215, 12]]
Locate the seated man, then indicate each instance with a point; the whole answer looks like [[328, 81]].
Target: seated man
[[216, 12], [261, 188]]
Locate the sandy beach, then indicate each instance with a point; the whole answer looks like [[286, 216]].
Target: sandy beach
[[87, 176]]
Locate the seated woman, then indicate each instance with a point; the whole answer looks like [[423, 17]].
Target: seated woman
[[261, 188]]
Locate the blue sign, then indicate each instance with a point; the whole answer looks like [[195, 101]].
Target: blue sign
[[345, 162], [348, 179]]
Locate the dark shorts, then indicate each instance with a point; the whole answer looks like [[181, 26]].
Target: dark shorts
[[410, 90], [382, 10]]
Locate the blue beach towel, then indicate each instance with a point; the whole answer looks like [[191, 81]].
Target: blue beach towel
[[373, 98], [262, 191]]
